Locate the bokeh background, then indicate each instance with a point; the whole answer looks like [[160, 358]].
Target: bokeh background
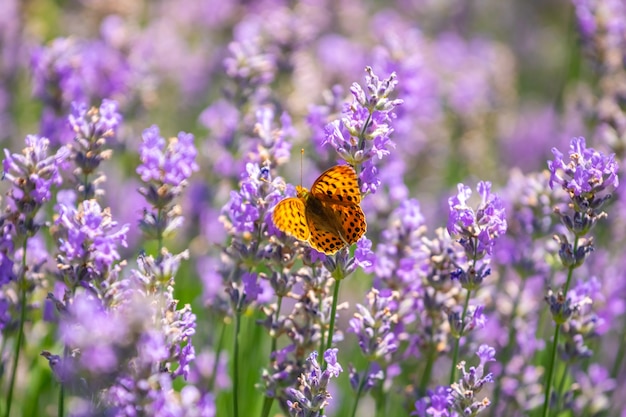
[[489, 88]]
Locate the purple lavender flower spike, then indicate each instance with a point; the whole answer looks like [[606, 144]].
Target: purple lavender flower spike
[[34, 172], [437, 403], [312, 395], [87, 235], [478, 229], [76, 70], [374, 324], [587, 172], [586, 178], [171, 164], [362, 135]]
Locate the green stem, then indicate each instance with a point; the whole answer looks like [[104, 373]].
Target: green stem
[[508, 349], [60, 407], [333, 313], [268, 401], [546, 400], [267, 406], [455, 355], [360, 390], [274, 338], [236, 364], [218, 353], [380, 400], [557, 329], [432, 353], [21, 282], [621, 351], [562, 384]]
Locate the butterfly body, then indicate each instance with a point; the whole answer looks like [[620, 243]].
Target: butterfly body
[[329, 216]]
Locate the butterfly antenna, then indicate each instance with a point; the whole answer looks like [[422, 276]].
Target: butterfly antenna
[[301, 164]]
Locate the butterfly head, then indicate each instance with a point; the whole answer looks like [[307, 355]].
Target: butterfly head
[[302, 192]]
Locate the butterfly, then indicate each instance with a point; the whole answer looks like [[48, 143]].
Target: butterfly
[[329, 216]]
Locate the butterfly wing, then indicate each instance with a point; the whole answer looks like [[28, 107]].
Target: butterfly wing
[[338, 185], [324, 241], [289, 217], [352, 222]]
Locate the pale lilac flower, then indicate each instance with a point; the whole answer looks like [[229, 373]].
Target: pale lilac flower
[[478, 229], [33, 172], [76, 70], [88, 235], [587, 173], [438, 403], [170, 162], [362, 135], [312, 395], [95, 124], [374, 324]]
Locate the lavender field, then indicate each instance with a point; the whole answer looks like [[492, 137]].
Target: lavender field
[[311, 208]]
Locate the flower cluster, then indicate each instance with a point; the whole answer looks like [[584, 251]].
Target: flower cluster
[[460, 398], [111, 232], [362, 135], [72, 70], [477, 229], [165, 169], [93, 128], [312, 394], [88, 241], [32, 174]]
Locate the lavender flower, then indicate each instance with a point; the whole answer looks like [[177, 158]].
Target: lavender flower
[[479, 229], [398, 255], [588, 172], [126, 343], [592, 394], [460, 399], [165, 168], [437, 403], [585, 178], [74, 70], [33, 173], [251, 68], [312, 394], [166, 165], [464, 392], [93, 128], [363, 133], [373, 324], [87, 238], [249, 209]]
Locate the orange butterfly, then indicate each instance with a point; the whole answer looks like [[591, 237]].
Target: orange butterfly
[[329, 216]]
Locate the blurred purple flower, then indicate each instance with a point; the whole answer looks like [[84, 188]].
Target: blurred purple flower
[[172, 164], [398, 254], [363, 255], [437, 403], [87, 235], [587, 172], [374, 324], [479, 229], [95, 123], [72, 70], [33, 173], [5, 315], [312, 395]]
